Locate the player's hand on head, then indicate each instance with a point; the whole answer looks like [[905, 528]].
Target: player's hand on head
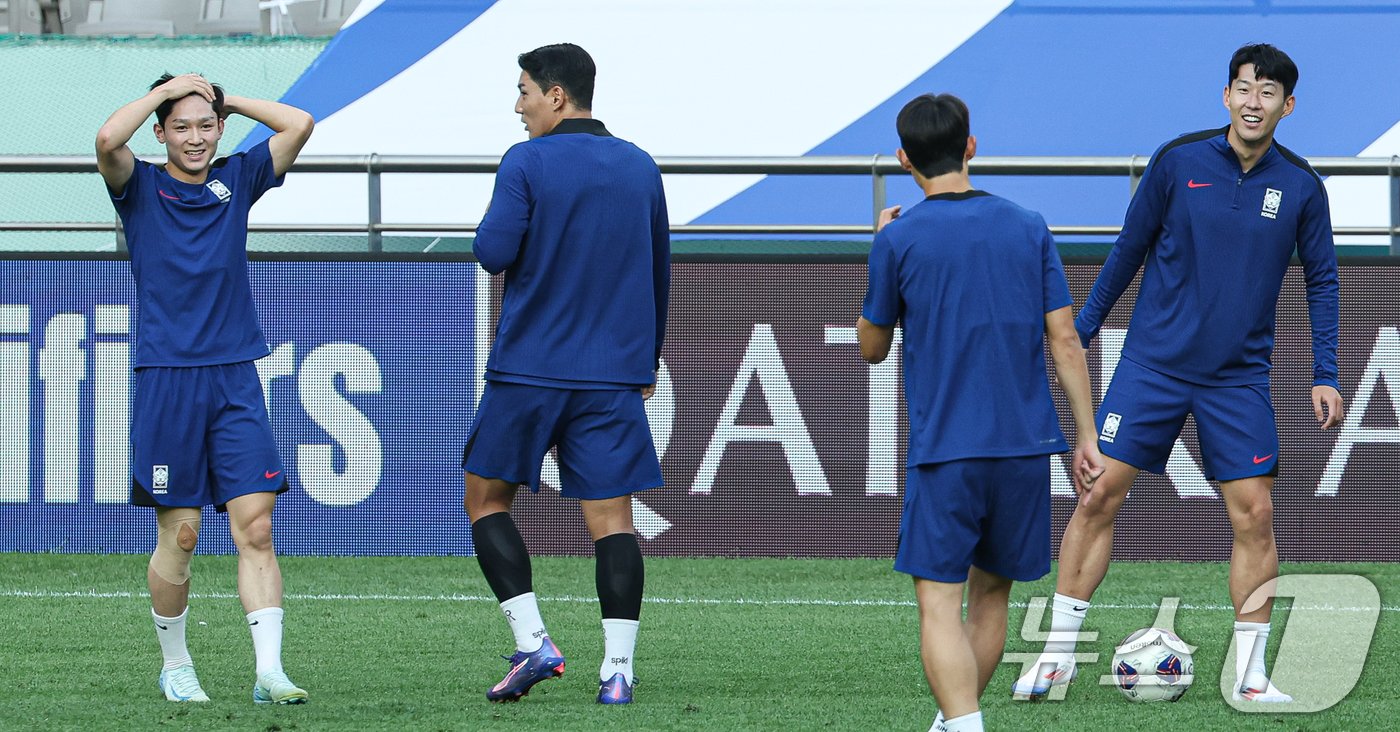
[[886, 216], [187, 84], [1323, 395]]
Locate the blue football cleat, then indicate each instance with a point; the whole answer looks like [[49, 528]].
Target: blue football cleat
[[526, 670], [615, 690]]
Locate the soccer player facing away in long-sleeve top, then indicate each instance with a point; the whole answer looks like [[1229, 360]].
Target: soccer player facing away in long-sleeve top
[[578, 224]]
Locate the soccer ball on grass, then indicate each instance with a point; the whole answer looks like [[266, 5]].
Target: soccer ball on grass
[[1153, 665]]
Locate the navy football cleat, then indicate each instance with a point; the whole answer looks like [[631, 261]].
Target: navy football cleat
[[615, 690], [526, 670]]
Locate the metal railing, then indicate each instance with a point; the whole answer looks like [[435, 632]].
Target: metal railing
[[877, 167]]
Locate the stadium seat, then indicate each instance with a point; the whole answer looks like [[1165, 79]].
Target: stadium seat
[[320, 17], [279, 17], [227, 18], [42, 16], [23, 16], [128, 18], [46, 16]]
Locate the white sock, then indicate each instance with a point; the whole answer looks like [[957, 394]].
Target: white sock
[[1250, 641], [966, 723], [171, 634], [619, 643], [266, 626], [938, 723], [1065, 620], [523, 614]]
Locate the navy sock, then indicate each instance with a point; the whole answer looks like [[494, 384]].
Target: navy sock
[[620, 576], [502, 554]]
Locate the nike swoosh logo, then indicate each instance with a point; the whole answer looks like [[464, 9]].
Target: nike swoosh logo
[[163, 194], [1258, 460], [255, 622], [1194, 184], [1080, 609], [270, 474], [162, 627]]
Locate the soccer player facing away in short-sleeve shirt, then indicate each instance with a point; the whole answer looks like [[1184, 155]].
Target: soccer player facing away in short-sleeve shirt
[[1216, 219], [977, 285], [578, 224], [200, 433]]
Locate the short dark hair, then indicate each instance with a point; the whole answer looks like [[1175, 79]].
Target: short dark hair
[[933, 131], [563, 65], [1269, 63], [166, 106]]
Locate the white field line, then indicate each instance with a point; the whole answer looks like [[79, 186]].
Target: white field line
[[777, 602]]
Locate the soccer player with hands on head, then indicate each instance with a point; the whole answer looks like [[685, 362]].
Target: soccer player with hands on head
[[1216, 219], [977, 284], [200, 433]]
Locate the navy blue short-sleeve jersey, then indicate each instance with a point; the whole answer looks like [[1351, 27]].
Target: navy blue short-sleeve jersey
[[189, 256], [971, 276]]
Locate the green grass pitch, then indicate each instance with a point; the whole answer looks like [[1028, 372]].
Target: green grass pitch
[[782, 644]]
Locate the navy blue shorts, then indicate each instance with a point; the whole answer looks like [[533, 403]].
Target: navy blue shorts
[[989, 513], [1144, 410], [604, 440], [200, 435]]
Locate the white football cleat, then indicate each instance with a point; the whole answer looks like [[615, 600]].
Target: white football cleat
[[1270, 695], [1052, 669], [274, 687], [181, 685]]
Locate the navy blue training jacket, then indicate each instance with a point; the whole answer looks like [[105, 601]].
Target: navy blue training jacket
[[1217, 242]]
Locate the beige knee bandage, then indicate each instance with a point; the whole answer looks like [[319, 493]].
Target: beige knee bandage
[[179, 532]]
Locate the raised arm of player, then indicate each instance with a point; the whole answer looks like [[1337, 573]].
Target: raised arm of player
[[1140, 228], [115, 161], [1072, 372], [1318, 254], [291, 127]]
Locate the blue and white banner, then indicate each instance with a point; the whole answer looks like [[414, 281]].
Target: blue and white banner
[[827, 77], [371, 385]]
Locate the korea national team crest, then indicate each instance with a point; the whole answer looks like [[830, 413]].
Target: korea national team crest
[[1272, 198], [222, 191], [160, 479], [1110, 427]]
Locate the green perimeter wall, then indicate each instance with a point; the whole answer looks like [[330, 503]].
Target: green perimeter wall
[[57, 91]]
